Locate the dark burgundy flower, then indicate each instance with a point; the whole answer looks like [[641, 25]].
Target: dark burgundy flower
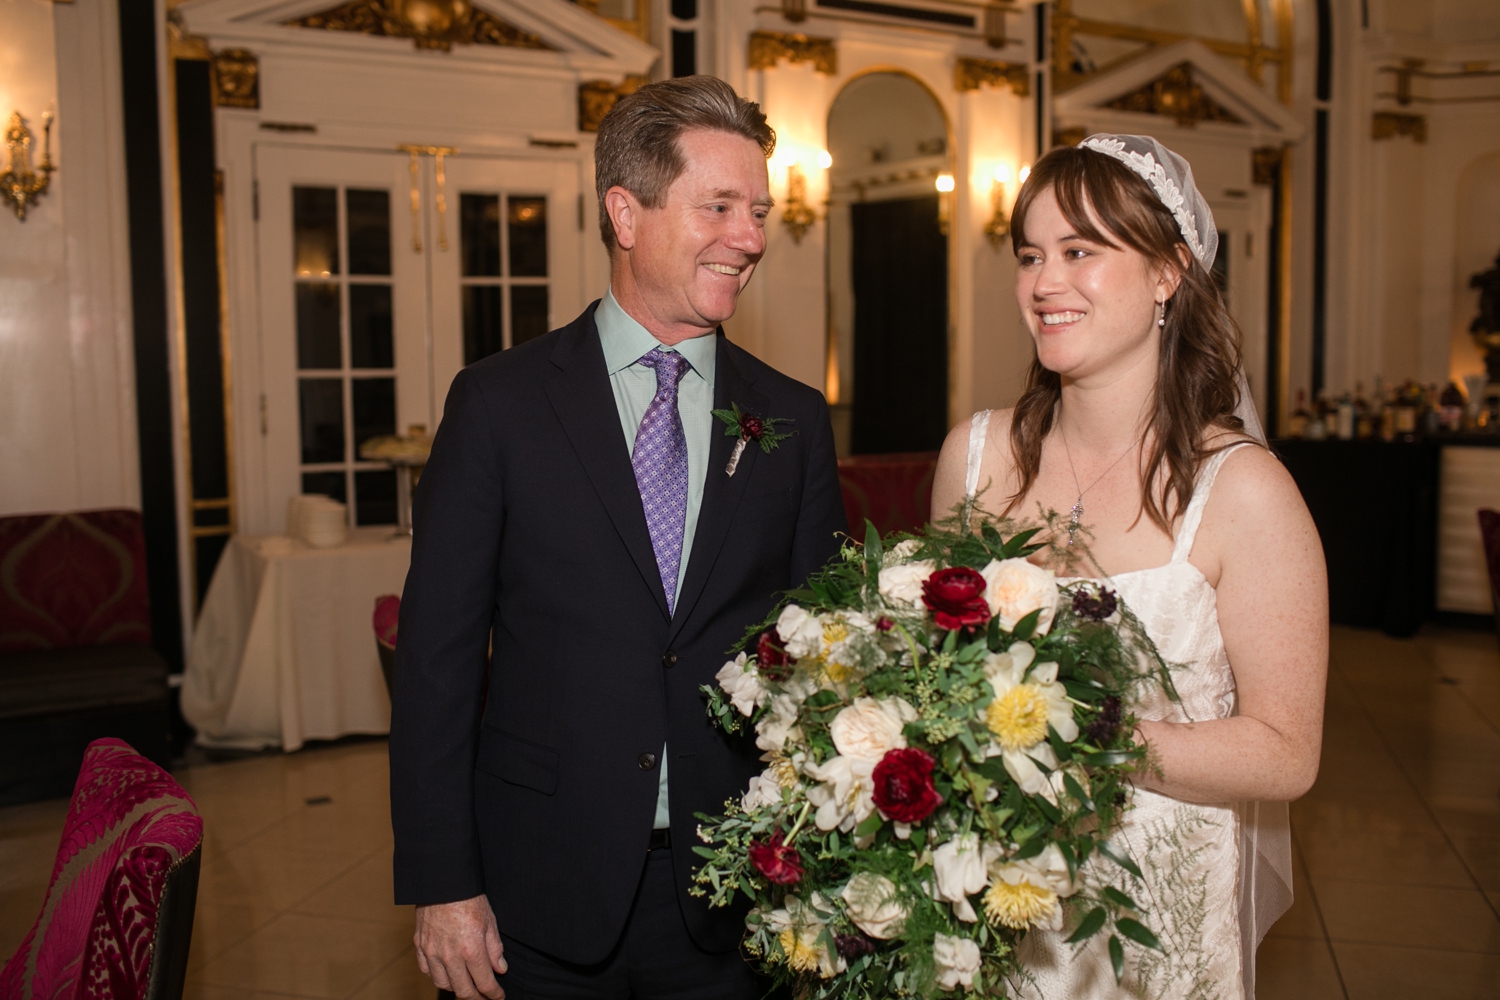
[[776, 860], [956, 597], [774, 662], [852, 946], [752, 427], [1102, 729], [884, 624], [1095, 606], [903, 785]]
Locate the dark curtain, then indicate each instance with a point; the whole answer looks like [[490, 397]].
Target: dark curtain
[[900, 327]]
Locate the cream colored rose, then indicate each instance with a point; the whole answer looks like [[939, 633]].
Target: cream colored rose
[[873, 905], [800, 633], [901, 586], [868, 729], [1015, 588], [957, 960]]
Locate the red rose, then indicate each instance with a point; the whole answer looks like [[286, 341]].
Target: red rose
[[903, 785], [752, 427], [956, 597], [777, 861], [775, 665]]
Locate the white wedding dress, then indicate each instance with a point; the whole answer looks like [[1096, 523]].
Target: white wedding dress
[[1216, 876]]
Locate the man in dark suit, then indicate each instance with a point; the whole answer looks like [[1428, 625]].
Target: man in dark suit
[[579, 508]]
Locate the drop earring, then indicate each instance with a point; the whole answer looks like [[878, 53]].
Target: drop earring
[[1162, 319]]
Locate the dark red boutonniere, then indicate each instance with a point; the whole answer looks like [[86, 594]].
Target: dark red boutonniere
[[748, 427], [956, 597]]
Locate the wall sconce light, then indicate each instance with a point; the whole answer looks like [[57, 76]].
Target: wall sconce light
[[20, 184], [798, 215], [998, 226], [945, 185]]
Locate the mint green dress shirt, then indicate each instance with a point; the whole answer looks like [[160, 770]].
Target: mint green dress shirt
[[625, 342]]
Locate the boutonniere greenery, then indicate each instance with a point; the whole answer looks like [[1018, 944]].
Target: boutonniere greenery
[[748, 427]]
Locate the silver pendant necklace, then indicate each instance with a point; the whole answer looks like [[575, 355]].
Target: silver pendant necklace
[[1077, 511]]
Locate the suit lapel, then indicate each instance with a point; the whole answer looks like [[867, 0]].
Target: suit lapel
[[721, 492], [584, 402]]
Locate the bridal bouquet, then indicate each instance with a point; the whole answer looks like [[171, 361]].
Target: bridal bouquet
[[945, 747]]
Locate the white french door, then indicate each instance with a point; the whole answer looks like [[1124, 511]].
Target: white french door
[[378, 282]]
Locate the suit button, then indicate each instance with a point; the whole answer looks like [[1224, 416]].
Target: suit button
[[646, 761], [669, 659]]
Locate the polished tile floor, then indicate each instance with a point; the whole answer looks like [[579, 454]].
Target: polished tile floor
[[1398, 851]]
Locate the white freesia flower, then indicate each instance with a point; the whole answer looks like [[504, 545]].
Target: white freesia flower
[[778, 725], [961, 867], [901, 585], [869, 729], [1023, 708], [743, 685], [957, 960], [1015, 588], [845, 796], [801, 633], [798, 926], [874, 907], [1026, 893]]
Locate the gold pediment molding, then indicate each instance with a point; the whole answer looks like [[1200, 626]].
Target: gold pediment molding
[[596, 98], [430, 24], [1176, 94], [767, 48], [971, 74]]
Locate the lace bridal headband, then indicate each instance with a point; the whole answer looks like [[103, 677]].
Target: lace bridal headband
[[1171, 177]]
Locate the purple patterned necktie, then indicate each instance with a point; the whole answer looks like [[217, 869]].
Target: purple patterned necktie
[[661, 467]]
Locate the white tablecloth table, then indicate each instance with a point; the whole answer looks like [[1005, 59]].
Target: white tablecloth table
[[284, 650]]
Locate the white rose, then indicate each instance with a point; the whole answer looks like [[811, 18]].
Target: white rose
[[845, 795], [777, 726], [801, 633], [743, 685], [901, 585], [869, 729], [1015, 588], [962, 869], [957, 960], [873, 905]]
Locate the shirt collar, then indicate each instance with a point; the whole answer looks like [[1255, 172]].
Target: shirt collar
[[625, 341]]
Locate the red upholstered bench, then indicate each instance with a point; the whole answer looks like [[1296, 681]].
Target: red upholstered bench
[[76, 662], [893, 491]]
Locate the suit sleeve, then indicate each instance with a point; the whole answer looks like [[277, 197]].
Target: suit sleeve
[[441, 655], [822, 516]]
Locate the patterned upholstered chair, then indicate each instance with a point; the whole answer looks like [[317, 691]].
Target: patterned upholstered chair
[[118, 918], [76, 662]]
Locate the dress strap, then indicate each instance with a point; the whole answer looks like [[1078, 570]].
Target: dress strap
[[978, 428], [1190, 520]]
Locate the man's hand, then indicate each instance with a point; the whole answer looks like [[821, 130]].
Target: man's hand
[[458, 946]]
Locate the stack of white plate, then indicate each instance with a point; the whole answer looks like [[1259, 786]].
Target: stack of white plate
[[317, 520]]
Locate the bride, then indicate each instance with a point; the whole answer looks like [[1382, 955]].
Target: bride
[[1135, 421]]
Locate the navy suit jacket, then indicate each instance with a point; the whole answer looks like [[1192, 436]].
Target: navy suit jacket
[[525, 780]]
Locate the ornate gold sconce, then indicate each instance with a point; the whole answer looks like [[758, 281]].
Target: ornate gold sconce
[[20, 184], [998, 226], [798, 215], [437, 153]]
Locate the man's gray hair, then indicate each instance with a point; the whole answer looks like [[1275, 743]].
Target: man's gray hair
[[637, 148]]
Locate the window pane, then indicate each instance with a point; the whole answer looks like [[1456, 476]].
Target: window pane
[[375, 496], [315, 231], [374, 408], [318, 326], [328, 484], [479, 234], [527, 231], [370, 341], [322, 408], [684, 52], [528, 312], [369, 215], [482, 336]]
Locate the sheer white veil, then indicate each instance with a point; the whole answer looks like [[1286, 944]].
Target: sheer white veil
[[1265, 877]]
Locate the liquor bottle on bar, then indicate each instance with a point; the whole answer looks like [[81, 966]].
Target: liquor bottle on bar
[[1364, 414], [1343, 418], [1451, 408], [1408, 401], [1432, 415], [1296, 424]]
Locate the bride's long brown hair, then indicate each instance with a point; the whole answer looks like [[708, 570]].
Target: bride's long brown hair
[[1195, 387]]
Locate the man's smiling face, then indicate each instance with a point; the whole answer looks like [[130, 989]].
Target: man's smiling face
[[689, 258]]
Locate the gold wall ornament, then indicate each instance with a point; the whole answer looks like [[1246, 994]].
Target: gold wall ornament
[[430, 24], [798, 216], [1389, 124], [767, 48], [1265, 164], [1176, 94], [596, 98], [20, 184], [971, 74], [440, 195], [236, 77]]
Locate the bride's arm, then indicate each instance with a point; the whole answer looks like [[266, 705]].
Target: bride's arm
[[1258, 546], [948, 480]]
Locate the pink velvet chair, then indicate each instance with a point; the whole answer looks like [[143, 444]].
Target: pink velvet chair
[[387, 612], [118, 917]]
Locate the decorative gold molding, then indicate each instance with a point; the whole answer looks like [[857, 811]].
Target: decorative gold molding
[[1176, 94], [236, 78], [767, 48], [430, 24], [1389, 124], [971, 74], [596, 98], [1265, 164]]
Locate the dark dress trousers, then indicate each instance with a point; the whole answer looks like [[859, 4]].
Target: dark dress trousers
[[536, 782]]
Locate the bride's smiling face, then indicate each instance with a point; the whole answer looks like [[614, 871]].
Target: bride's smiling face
[[1091, 308]]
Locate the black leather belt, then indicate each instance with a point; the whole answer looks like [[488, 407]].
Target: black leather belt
[[661, 840]]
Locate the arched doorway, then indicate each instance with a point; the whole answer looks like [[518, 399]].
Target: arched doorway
[[888, 264]]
